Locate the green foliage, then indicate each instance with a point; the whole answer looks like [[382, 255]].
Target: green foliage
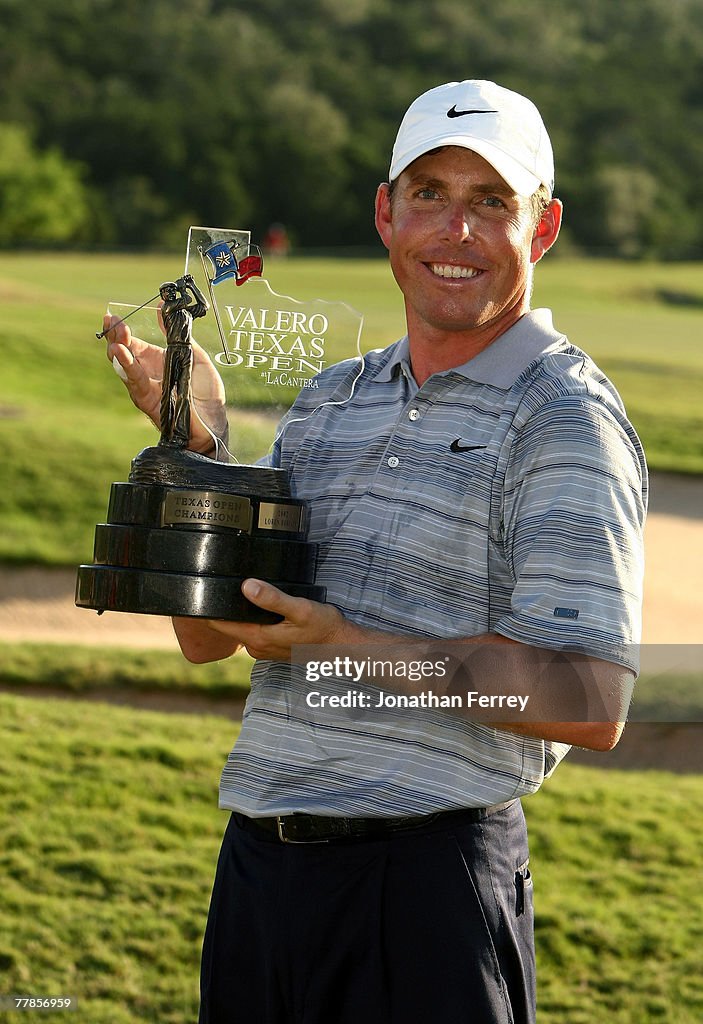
[[109, 832], [228, 112], [42, 198]]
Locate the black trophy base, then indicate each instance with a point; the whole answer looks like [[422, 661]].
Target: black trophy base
[[109, 588], [185, 532]]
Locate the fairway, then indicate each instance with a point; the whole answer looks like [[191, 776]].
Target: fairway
[[68, 429]]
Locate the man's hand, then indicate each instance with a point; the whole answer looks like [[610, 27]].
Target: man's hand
[[304, 622], [143, 366], [142, 363]]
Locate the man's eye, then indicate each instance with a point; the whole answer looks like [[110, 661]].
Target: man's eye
[[427, 193], [494, 201]]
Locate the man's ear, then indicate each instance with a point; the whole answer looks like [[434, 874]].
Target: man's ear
[[383, 213], [547, 230]]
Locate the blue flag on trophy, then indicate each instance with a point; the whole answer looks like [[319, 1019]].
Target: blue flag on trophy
[[222, 261]]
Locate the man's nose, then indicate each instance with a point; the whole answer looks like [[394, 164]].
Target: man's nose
[[458, 224]]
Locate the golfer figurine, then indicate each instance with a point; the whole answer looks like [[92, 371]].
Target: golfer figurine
[[182, 303]]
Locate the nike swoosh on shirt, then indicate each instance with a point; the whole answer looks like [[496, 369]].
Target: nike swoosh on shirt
[[462, 113], [456, 447]]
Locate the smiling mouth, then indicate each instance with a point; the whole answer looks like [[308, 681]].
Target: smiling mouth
[[453, 272]]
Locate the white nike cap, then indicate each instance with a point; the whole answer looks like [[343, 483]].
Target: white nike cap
[[503, 127]]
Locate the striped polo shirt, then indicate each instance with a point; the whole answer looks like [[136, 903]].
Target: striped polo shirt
[[494, 495]]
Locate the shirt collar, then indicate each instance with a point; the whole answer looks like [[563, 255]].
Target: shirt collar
[[395, 357], [501, 362]]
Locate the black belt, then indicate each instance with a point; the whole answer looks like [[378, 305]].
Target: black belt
[[311, 828]]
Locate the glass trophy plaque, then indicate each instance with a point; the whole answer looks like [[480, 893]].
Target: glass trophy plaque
[[186, 529]]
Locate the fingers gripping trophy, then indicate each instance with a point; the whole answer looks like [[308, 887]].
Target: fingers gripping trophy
[[187, 527]]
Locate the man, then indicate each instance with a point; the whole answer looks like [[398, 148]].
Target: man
[[482, 485]]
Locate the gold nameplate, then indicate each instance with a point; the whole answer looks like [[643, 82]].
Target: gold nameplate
[[274, 516], [206, 508]]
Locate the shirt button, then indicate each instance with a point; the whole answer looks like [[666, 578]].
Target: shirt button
[[393, 461], [414, 414]]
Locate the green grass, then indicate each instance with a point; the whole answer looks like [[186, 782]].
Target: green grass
[[109, 838], [67, 429], [642, 323], [668, 698], [615, 857], [90, 669], [109, 835]]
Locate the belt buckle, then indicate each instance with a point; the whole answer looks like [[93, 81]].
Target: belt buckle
[[281, 827]]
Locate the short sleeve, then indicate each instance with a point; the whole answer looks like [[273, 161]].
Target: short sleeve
[[574, 505]]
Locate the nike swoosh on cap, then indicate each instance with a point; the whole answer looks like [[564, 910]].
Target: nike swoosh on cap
[[456, 447], [461, 113]]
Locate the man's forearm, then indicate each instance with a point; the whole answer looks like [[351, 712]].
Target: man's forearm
[[567, 698], [200, 643], [572, 698]]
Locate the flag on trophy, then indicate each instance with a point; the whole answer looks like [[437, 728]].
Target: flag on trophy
[[224, 264], [251, 265], [222, 261]]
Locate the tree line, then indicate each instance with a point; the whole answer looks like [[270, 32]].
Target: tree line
[[124, 121]]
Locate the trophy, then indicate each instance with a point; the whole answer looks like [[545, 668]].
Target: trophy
[[185, 530]]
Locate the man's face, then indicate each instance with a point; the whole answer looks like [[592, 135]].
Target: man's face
[[461, 244], [168, 293]]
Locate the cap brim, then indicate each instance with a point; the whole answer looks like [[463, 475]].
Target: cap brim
[[520, 180]]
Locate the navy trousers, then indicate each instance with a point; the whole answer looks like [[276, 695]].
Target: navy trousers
[[427, 927]]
